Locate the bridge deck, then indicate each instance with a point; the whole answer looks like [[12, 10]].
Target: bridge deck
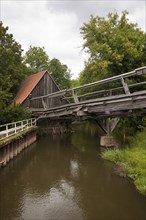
[[101, 106], [114, 101]]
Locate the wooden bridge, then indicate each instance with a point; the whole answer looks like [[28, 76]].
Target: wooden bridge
[[108, 100]]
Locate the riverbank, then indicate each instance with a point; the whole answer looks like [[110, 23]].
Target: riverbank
[[131, 161]]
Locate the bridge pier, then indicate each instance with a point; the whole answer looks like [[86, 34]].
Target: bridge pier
[[53, 127], [107, 141], [108, 126]]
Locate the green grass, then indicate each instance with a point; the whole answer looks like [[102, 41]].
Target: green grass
[[133, 160]]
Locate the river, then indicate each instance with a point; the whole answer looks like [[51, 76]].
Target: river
[[64, 177]]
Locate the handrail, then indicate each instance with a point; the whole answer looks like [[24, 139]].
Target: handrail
[[108, 90], [51, 95], [9, 129], [136, 72], [104, 92]]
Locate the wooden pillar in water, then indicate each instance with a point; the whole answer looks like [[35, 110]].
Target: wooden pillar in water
[[2, 156], [11, 150], [108, 140], [7, 153]]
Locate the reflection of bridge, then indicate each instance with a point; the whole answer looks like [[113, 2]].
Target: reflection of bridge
[[107, 101]]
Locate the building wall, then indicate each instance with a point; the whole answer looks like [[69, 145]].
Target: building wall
[[45, 86]]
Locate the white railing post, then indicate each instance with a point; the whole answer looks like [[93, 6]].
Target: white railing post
[[15, 127], [6, 130]]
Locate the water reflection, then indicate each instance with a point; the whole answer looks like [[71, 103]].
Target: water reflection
[[74, 169], [59, 201], [65, 178]]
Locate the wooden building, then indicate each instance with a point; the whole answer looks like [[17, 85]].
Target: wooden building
[[36, 85]]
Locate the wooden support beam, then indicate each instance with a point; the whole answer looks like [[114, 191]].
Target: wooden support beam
[[101, 125], [108, 127], [44, 104], [125, 86], [51, 95], [114, 123], [76, 100]]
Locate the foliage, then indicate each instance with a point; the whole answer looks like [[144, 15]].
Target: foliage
[[60, 72], [36, 59], [134, 160], [114, 45], [12, 70], [127, 127], [13, 113], [74, 83]]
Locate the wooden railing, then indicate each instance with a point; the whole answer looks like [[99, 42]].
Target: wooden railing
[[77, 95], [10, 129]]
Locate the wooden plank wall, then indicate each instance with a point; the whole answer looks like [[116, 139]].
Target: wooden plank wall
[[45, 86]]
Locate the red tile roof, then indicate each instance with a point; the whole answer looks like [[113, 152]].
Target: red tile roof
[[27, 86]]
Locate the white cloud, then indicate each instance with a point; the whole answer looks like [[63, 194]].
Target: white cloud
[[56, 24], [83, 9]]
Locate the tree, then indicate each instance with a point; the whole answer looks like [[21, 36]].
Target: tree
[[36, 59], [60, 73], [13, 113], [12, 70], [114, 46], [75, 83]]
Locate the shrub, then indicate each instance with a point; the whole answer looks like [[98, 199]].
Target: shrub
[[13, 113]]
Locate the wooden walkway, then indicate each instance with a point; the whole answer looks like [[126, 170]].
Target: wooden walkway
[[121, 99]]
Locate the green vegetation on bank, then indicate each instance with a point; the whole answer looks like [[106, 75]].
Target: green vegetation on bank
[[12, 113], [132, 160]]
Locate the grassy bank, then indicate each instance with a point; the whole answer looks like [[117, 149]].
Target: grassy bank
[[131, 161]]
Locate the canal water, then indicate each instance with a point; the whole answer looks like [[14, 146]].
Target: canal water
[[64, 177]]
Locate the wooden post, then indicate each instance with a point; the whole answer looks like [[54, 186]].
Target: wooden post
[[2, 156], [76, 100], [108, 127], [125, 86], [114, 123], [44, 103]]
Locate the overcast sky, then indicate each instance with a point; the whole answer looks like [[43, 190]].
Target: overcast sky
[[56, 24]]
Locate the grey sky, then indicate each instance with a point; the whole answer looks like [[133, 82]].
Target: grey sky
[[56, 24]]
